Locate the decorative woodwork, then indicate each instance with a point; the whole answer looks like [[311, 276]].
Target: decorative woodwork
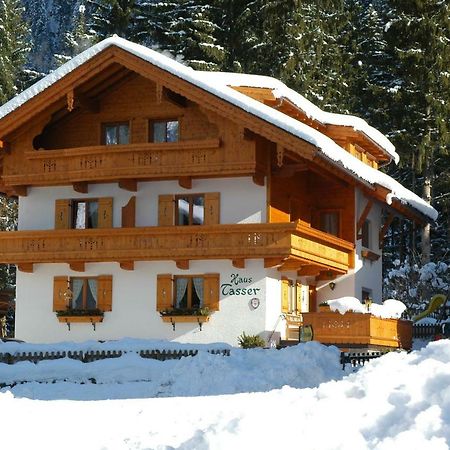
[[234, 241], [182, 264], [81, 187], [77, 266], [370, 255], [128, 184], [127, 265], [238, 263], [359, 329], [185, 182]]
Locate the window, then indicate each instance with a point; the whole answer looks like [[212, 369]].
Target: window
[[190, 209], [366, 234], [84, 214], [366, 294], [164, 131], [330, 222], [84, 293], [116, 133], [188, 292]]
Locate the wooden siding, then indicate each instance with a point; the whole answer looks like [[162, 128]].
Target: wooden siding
[[301, 244]]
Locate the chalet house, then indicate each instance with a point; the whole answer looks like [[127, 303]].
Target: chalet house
[[156, 201]]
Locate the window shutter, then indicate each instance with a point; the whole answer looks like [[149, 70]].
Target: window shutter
[[105, 212], [299, 296], [211, 291], [104, 292], [60, 286], [166, 210], [62, 214], [285, 295], [212, 208], [164, 292], [129, 213]]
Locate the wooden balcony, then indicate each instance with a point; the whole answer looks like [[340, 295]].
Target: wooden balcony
[[359, 330], [193, 158], [284, 243]]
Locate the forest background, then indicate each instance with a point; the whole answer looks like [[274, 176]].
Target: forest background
[[387, 61]]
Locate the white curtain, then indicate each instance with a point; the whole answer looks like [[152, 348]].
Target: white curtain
[[181, 290], [77, 288], [80, 222], [198, 285], [92, 298]]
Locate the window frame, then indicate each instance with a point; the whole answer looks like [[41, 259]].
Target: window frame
[[191, 209], [189, 289], [118, 124], [338, 213], [73, 209], [84, 293], [151, 131]]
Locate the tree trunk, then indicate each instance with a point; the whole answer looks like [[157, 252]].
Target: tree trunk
[[426, 195]]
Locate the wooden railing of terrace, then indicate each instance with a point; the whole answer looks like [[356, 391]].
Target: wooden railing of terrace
[[293, 242]]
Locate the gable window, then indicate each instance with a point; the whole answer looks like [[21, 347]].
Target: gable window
[[365, 241], [330, 222], [164, 131], [84, 214], [115, 133], [190, 209]]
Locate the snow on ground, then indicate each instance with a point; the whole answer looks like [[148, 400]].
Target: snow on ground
[[399, 401]]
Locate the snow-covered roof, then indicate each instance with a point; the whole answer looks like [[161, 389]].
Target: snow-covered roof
[[280, 90], [217, 84]]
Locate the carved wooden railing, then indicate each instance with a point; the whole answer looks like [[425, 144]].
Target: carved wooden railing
[[145, 161], [176, 243]]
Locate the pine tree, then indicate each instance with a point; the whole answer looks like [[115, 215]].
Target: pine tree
[[14, 48], [418, 35]]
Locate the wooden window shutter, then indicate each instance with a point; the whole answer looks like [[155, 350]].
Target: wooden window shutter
[[164, 292], [104, 292], [129, 213], [166, 210], [285, 295], [62, 214], [105, 212], [298, 292], [211, 291], [60, 287], [212, 208]]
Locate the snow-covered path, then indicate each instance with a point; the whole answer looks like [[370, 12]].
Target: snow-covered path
[[400, 401]]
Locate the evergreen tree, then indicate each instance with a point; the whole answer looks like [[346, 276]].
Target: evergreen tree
[[114, 17], [418, 36], [14, 48]]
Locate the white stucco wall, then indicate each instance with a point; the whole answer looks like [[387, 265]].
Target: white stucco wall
[[241, 201], [134, 304]]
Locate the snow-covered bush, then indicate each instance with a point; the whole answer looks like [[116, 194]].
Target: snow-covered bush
[[414, 284]]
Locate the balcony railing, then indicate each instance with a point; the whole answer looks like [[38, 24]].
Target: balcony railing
[[137, 161], [288, 241]]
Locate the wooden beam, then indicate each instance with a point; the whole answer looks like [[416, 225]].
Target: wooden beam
[[70, 97], [5, 146], [127, 265], [25, 267], [384, 229], [326, 275], [363, 218], [290, 264], [185, 182], [239, 263], [159, 93], [309, 270], [289, 170], [128, 185], [182, 264], [21, 191], [173, 97], [273, 262], [259, 179], [81, 187], [77, 266]]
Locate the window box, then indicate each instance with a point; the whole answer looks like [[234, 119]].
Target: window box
[[175, 315], [69, 316], [370, 255]]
